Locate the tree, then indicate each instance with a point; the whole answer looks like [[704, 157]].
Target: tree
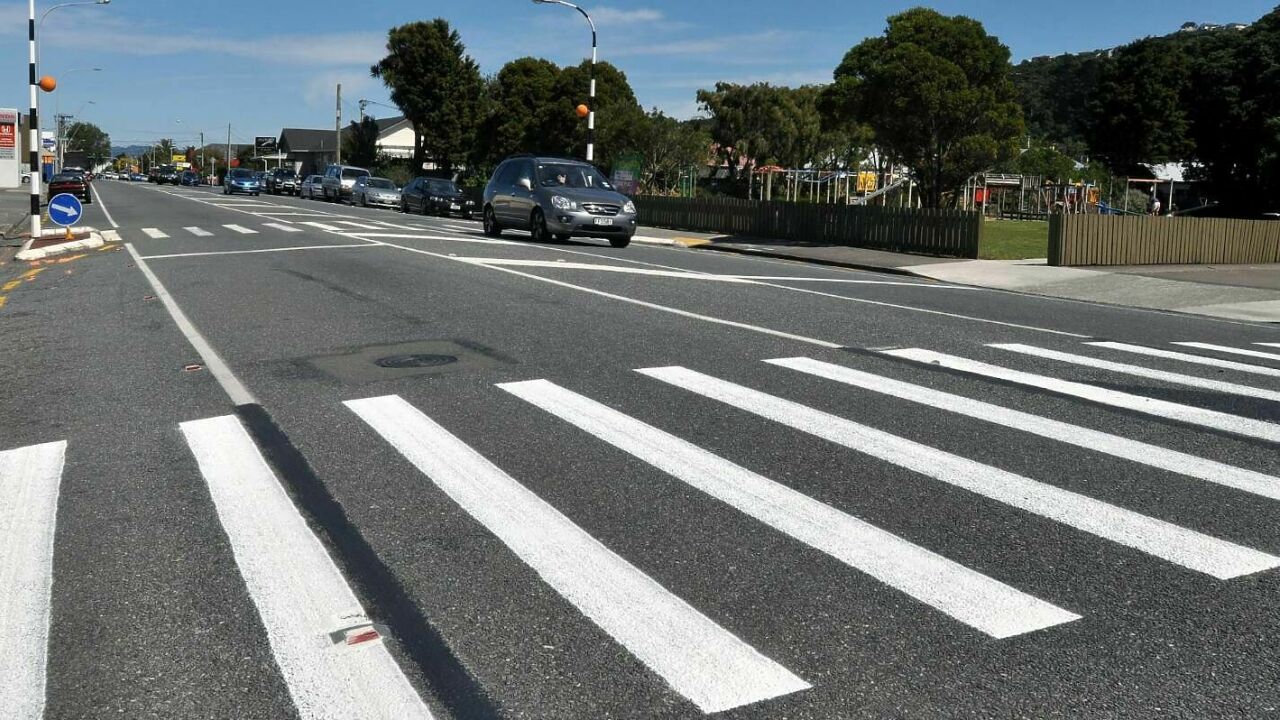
[[745, 122], [360, 143], [437, 86], [1044, 162], [521, 110], [89, 139], [936, 92], [618, 113], [1139, 116], [668, 147]]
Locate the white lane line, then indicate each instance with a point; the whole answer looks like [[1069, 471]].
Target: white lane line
[[691, 275], [29, 482], [198, 232], [260, 250], [300, 594], [241, 229], [974, 599], [1135, 403], [360, 225], [1249, 481], [1232, 350], [1188, 358], [1268, 344], [155, 233], [97, 198], [231, 384], [446, 238], [111, 235], [1178, 545], [697, 657], [1136, 371], [323, 226], [282, 228]]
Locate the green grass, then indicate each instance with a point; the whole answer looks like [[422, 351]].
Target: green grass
[[1014, 240]]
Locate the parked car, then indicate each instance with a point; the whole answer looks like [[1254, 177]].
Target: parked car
[[282, 181], [71, 183], [557, 198], [378, 191], [189, 178], [310, 188], [338, 181], [138, 177], [436, 196], [241, 180]]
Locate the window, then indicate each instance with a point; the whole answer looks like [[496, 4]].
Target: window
[[506, 175], [354, 173]]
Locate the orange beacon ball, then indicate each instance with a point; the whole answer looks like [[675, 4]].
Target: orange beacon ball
[[583, 111], [47, 83]]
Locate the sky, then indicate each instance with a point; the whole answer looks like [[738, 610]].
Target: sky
[[175, 68]]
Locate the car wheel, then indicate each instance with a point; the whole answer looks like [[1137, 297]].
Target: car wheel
[[491, 226], [466, 216], [620, 242], [538, 227]]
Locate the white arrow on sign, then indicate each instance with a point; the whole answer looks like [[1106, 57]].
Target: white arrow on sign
[[66, 209]]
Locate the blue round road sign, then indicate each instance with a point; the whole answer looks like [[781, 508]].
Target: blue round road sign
[[65, 210]]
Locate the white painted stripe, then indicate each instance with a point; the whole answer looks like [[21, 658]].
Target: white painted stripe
[[103, 207], [1169, 377], [198, 232], [241, 229], [282, 227], [1268, 344], [1232, 350], [29, 481], [699, 659], [685, 274], [1190, 549], [300, 594], [972, 598], [111, 235], [1171, 460], [231, 384], [322, 226], [260, 250], [1188, 358], [1136, 403], [155, 233], [419, 236], [361, 225]]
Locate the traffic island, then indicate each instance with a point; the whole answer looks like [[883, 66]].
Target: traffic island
[[56, 242]]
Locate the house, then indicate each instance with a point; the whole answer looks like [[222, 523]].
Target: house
[[309, 151], [396, 137]]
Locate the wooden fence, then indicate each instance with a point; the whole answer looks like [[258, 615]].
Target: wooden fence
[[944, 233], [1112, 240]]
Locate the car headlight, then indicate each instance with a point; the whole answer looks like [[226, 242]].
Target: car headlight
[[560, 202], [629, 208]]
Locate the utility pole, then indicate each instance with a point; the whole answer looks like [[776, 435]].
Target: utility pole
[[224, 182], [337, 128], [202, 166], [34, 125]]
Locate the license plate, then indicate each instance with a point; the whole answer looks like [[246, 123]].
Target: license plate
[[455, 207], [604, 221]]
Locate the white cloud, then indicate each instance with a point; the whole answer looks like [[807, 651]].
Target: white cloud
[[754, 42], [607, 16]]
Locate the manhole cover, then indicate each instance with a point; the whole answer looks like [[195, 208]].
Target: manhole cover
[[415, 361]]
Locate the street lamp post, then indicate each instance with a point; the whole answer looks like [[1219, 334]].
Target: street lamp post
[[591, 102], [58, 6]]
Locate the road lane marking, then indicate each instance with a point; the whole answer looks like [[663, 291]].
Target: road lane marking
[[323, 226], [29, 483], [282, 228], [1249, 481], [1268, 344], [974, 599], [231, 384], [360, 225], [1137, 371], [1225, 422], [1178, 545], [97, 198], [155, 233], [241, 229], [1188, 358], [259, 250], [1232, 350], [698, 658], [300, 594], [111, 236], [198, 232], [686, 274]]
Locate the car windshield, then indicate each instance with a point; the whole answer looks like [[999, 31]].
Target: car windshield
[[381, 184], [354, 173], [241, 174], [285, 173], [444, 187], [574, 175]]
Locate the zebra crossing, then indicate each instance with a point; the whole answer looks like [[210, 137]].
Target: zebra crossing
[[329, 651]]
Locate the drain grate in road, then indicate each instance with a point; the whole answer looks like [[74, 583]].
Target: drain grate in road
[[415, 361]]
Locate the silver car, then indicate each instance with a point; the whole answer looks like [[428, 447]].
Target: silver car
[[338, 181], [557, 198], [375, 191], [310, 188]]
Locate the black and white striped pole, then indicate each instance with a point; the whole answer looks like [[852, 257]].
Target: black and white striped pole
[[591, 102], [33, 126]]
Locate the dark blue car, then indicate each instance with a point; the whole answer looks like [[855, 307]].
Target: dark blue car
[[190, 179], [241, 180]]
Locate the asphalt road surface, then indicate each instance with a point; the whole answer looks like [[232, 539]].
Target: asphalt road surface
[[328, 462]]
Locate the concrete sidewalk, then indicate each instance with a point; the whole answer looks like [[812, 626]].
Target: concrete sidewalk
[[1235, 292]]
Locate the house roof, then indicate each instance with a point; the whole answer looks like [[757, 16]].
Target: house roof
[[297, 140], [389, 125]]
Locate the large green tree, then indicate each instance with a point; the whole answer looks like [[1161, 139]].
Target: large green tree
[[437, 86], [618, 113], [936, 91], [360, 143], [669, 147], [1139, 115], [89, 139]]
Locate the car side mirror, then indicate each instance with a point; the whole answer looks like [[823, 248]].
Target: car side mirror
[[525, 183]]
